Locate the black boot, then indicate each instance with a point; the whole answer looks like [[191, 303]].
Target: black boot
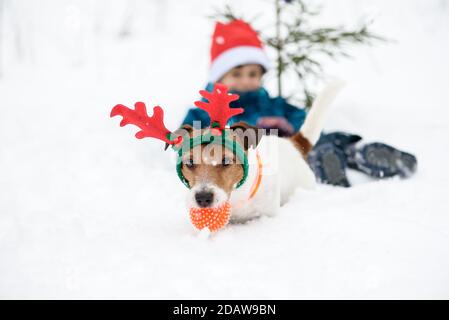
[[381, 161], [329, 164]]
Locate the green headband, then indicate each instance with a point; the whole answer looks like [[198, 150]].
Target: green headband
[[209, 138], [219, 111]]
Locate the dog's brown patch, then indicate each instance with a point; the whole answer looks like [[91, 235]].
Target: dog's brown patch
[[247, 135], [207, 166], [301, 143], [208, 159]]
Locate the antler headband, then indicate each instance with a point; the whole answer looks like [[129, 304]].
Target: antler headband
[[218, 110]]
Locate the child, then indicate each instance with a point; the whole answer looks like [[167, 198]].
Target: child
[[238, 60]]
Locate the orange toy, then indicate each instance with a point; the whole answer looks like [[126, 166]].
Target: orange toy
[[213, 218]]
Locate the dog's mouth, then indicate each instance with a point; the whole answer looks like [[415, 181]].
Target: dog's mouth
[[214, 218], [209, 207]]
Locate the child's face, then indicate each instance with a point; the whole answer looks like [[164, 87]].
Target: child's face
[[243, 78]]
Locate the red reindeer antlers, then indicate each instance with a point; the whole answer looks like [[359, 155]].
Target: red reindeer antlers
[[150, 126], [218, 105]]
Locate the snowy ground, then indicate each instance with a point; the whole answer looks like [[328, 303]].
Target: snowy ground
[[88, 211]]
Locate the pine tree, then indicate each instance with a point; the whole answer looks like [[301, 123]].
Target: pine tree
[[301, 48]]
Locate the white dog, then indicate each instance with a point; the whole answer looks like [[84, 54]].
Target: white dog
[[277, 166]]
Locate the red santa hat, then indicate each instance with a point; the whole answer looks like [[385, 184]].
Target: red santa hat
[[235, 44]]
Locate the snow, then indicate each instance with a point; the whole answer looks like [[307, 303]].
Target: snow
[[88, 211]]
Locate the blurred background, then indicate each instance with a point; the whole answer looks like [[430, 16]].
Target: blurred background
[[88, 211]]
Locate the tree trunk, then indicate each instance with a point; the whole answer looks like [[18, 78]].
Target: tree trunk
[[279, 47]]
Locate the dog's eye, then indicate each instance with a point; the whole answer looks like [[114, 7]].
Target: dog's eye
[[226, 162], [189, 163]]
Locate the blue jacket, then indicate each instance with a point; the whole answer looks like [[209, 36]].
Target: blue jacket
[[257, 104]]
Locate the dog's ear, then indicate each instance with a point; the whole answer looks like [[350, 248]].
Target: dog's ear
[[249, 135], [184, 130]]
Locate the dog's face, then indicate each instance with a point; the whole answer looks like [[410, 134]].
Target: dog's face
[[212, 170], [212, 173]]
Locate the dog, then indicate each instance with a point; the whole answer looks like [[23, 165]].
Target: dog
[[277, 165]]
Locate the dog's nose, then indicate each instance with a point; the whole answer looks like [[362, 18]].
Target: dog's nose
[[204, 198]]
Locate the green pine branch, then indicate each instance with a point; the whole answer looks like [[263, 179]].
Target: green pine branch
[[303, 49]]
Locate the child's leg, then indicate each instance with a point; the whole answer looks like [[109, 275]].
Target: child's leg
[[339, 139], [337, 150]]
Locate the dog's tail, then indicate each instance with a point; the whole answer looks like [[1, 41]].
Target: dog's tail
[[311, 129]]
